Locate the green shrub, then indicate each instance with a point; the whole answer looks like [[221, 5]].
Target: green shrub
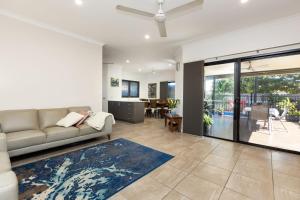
[[207, 120]]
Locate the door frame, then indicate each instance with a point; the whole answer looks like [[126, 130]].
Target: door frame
[[237, 78]]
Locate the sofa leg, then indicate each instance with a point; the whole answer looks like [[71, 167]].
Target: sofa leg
[[108, 136]]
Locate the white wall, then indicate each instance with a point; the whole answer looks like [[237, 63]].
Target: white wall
[[160, 76], [116, 71], [120, 72], [276, 33], [179, 80], [44, 69]]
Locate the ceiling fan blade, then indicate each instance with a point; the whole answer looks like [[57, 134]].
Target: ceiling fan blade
[[185, 7], [162, 29], [134, 11]]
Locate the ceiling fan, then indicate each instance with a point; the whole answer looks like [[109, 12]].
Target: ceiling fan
[[251, 68], [161, 16]]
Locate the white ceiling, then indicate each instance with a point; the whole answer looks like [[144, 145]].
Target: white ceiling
[[261, 65], [123, 33], [269, 64]]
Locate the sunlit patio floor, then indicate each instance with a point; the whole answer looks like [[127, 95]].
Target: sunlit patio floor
[[284, 134]]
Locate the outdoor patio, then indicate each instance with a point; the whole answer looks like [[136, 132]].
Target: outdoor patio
[[284, 134]]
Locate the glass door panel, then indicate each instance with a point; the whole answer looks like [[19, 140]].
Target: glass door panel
[[270, 102], [219, 100]]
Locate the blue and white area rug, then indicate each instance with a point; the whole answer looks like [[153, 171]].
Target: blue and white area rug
[[93, 173]]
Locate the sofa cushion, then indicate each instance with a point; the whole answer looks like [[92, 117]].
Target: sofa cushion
[[71, 119], [49, 117], [5, 162], [79, 109], [86, 129], [60, 133], [18, 120], [22, 139]]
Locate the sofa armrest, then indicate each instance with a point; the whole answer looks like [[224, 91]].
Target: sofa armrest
[[8, 186], [108, 125], [3, 145]]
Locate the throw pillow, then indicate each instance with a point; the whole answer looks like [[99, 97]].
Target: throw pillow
[[85, 116], [69, 120]]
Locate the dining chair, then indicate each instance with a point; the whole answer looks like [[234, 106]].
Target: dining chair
[[261, 113], [154, 108], [147, 109]]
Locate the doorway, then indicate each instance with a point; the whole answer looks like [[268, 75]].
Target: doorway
[[254, 100]]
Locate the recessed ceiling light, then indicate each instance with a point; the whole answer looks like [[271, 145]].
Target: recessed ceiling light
[[140, 69], [147, 37], [170, 65], [127, 61], [79, 2], [244, 1]]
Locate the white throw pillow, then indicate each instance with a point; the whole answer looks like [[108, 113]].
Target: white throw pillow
[[69, 120]]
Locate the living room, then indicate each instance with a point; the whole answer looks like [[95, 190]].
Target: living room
[[146, 100]]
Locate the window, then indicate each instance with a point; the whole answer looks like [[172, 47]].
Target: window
[[130, 88], [171, 90]]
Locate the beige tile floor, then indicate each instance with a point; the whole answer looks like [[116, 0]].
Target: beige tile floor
[[203, 168]]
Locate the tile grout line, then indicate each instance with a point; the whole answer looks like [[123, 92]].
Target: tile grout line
[[229, 177], [174, 191], [273, 183], [190, 174]]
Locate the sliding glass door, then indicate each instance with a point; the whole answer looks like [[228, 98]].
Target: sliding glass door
[[254, 100], [270, 102], [219, 100]]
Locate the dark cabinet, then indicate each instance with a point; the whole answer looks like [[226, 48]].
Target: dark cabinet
[[132, 112]]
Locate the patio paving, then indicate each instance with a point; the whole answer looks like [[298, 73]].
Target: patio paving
[[284, 134]]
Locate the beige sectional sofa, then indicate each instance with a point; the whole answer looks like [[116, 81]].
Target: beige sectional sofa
[[8, 179], [26, 131], [34, 130]]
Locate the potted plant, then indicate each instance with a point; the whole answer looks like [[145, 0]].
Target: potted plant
[[285, 104], [207, 123], [206, 107], [293, 114], [220, 111], [172, 104]]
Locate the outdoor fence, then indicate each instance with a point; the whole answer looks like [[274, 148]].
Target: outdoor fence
[[226, 102]]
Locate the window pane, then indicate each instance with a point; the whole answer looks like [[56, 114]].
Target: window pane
[[125, 92], [219, 100], [270, 102], [134, 89], [171, 90]]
